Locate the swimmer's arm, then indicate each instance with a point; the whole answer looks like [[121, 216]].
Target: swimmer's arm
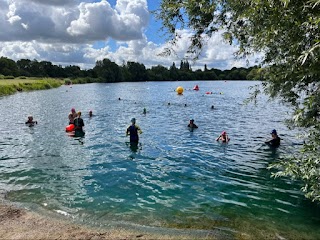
[[139, 129], [218, 138]]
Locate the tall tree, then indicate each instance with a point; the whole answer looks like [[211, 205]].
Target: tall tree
[[137, 71], [8, 67], [108, 71], [287, 32]]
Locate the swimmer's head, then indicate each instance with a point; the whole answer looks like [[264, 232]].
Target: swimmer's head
[[274, 132], [73, 110], [30, 117], [79, 114], [191, 120], [224, 133], [133, 120]]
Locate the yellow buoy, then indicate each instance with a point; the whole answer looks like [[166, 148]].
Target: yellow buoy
[[179, 90]]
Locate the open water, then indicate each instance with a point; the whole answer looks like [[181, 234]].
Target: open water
[[175, 179]]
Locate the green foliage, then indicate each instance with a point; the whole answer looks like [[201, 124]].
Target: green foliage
[[287, 32], [108, 71], [13, 86], [8, 77]]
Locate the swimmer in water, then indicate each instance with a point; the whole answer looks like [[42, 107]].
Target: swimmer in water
[[78, 125], [275, 141], [90, 113], [192, 125], [133, 131], [30, 121], [223, 137], [72, 115], [144, 111]]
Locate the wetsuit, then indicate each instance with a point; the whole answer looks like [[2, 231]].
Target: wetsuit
[[78, 124], [275, 142], [132, 130]]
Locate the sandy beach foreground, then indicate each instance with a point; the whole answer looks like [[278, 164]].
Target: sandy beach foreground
[[18, 223]]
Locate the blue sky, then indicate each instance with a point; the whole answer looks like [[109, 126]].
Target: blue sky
[[80, 32]]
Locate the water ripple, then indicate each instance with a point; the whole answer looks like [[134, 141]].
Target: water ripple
[[174, 178]]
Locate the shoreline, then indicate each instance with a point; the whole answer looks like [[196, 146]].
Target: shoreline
[[17, 222], [12, 86]]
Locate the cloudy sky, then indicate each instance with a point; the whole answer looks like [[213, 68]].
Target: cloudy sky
[[80, 32]]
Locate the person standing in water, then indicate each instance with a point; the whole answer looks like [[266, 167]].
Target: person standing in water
[[223, 137], [275, 141], [78, 125], [72, 115], [192, 125], [30, 121], [133, 131]]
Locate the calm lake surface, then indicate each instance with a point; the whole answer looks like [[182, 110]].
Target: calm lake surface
[[176, 179]]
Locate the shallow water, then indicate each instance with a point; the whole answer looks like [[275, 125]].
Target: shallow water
[[174, 179]]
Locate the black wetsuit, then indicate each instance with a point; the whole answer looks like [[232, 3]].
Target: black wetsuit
[[275, 142], [78, 124], [193, 126], [133, 132]]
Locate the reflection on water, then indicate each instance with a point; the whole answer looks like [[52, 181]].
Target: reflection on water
[[173, 178]]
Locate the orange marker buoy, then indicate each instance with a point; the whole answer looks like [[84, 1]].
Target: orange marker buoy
[[70, 128]]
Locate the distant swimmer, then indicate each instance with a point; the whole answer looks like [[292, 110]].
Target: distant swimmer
[[78, 125], [90, 113], [223, 137], [144, 111], [192, 125], [72, 115], [30, 121], [133, 131], [275, 141], [212, 107]]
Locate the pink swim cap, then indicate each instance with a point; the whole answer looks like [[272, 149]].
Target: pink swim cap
[[224, 133], [73, 110]]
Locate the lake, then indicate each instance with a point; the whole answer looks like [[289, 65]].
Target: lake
[[175, 180]]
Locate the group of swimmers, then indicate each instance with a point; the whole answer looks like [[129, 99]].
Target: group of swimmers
[[77, 121], [223, 137], [134, 130]]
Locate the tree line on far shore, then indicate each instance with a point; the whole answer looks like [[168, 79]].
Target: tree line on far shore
[[107, 71]]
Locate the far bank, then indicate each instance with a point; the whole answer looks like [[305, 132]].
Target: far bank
[[11, 86]]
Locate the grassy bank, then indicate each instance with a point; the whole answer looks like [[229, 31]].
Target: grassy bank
[[11, 86]]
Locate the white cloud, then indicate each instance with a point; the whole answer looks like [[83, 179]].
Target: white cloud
[[25, 20], [67, 32], [98, 21], [55, 2]]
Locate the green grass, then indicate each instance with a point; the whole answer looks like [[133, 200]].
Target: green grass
[[11, 86]]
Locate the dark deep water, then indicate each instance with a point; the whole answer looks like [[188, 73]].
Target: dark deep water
[[175, 179]]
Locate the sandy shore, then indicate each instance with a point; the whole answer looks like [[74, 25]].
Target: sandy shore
[[18, 223]]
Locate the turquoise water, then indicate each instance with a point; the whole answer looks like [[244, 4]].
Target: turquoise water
[[175, 179]]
